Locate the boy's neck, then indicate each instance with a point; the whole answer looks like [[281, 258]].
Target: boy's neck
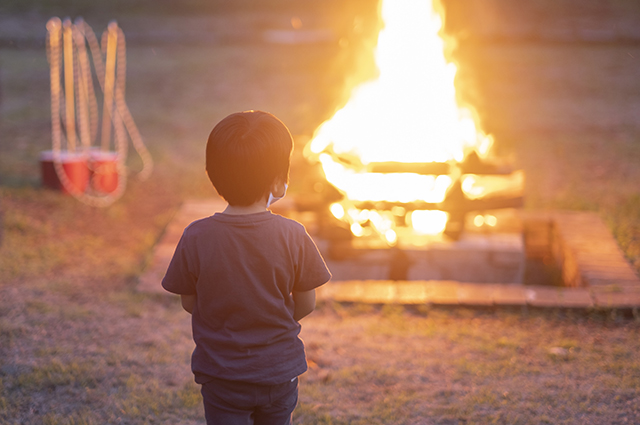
[[256, 207]]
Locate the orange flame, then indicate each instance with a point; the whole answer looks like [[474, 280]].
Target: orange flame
[[408, 115]]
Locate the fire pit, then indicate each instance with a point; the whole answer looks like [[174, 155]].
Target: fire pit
[[591, 270], [410, 201], [425, 240]]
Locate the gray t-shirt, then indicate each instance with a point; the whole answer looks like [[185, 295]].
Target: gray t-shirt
[[242, 269]]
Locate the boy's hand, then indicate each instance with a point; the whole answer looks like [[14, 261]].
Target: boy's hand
[[305, 303], [188, 302]]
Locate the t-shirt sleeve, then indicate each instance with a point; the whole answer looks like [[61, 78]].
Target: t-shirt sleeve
[[179, 278], [311, 270]]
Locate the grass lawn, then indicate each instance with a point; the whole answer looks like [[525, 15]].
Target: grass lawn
[[78, 344]]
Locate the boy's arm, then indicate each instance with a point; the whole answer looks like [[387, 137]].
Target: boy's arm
[[305, 303], [188, 302]]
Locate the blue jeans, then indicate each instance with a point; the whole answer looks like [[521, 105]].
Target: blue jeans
[[240, 403]]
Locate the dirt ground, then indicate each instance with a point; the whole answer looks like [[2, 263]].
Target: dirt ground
[[79, 345]]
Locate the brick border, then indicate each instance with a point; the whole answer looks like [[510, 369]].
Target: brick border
[[593, 266], [457, 293]]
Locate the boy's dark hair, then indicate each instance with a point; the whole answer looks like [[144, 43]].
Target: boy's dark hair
[[246, 153]]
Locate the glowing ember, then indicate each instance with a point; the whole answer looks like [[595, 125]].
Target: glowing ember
[[408, 115]]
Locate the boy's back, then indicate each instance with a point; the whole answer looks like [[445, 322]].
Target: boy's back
[[244, 269]]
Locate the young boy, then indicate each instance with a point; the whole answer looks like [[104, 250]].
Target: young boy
[[247, 276]]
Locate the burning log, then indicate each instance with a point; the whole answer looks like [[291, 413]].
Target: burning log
[[451, 204], [341, 219], [457, 201], [458, 205], [354, 163], [422, 168]]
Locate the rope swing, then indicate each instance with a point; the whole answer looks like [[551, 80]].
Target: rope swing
[[100, 175]]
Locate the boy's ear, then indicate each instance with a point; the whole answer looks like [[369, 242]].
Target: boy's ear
[[277, 188]]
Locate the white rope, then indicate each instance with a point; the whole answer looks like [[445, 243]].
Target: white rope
[[97, 52], [88, 80], [54, 27], [69, 84], [78, 76], [109, 80], [125, 114], [82, 96]]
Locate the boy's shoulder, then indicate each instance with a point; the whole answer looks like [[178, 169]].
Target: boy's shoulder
[[227, 220], [289, 223], [287, 220], [198, 224]]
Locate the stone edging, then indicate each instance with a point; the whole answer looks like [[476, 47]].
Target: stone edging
[[590, 258]]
